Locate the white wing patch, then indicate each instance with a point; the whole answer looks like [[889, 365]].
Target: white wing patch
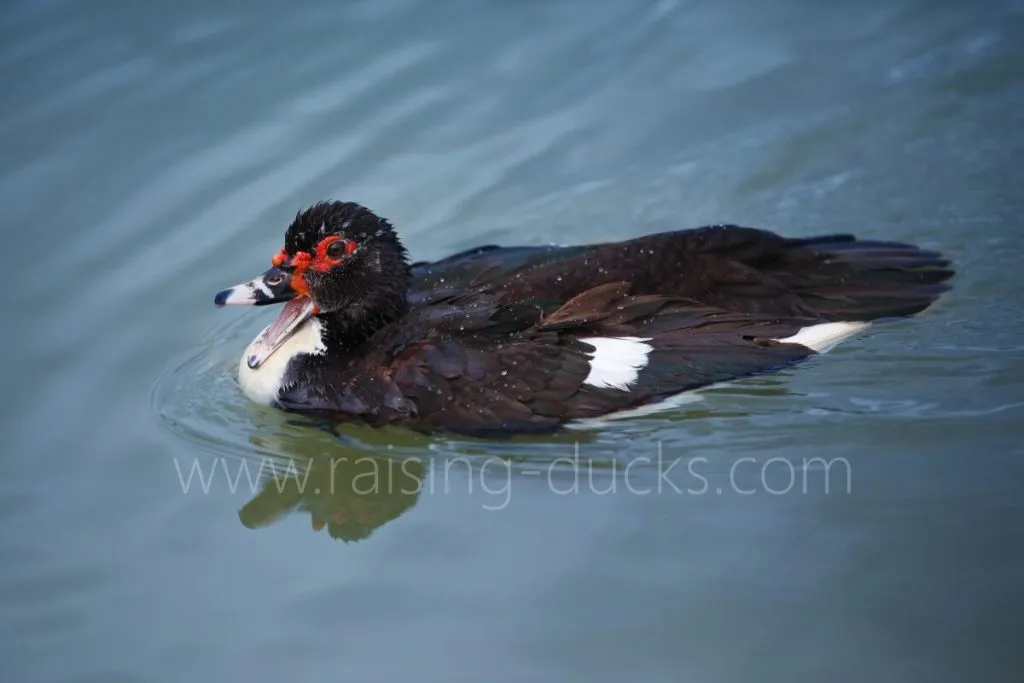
[[616, 361], [820, 338], [824, 337]]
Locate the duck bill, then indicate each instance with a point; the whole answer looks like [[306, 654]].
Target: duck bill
[[295, 312], [272, 287]]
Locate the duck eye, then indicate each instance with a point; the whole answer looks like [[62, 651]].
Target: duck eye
[[274, 280], [340, 248]]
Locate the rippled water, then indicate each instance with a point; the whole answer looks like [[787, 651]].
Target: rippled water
[[153, 153]]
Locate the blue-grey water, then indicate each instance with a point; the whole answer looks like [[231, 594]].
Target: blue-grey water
[[857, 518]]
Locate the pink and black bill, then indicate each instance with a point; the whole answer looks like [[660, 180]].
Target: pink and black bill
[[272, 287]]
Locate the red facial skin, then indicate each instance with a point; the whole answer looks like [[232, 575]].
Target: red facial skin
[[303, 261]]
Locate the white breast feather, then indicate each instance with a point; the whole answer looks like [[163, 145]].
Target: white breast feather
[[263, 384]]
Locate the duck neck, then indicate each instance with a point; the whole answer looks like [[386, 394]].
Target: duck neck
[[351, 327]]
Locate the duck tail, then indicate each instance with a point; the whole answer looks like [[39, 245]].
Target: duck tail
[[841, 278]]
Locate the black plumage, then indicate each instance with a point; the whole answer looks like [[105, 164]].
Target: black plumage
[[490, 340]]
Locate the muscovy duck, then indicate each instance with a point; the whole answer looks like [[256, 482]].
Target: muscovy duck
[[526, 339]]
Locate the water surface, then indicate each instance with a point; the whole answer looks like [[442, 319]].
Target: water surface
[[154, 153]]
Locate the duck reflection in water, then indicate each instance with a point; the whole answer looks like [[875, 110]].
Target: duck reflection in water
[[339, 475], [349, 493]]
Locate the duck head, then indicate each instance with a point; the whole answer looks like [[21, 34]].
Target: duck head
[[341, 263]]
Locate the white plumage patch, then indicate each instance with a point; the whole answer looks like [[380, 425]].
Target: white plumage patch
[[820, 338], [824, 337], [671, 403], [616, 361], [263, 384]]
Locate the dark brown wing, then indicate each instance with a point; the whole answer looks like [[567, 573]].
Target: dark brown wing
[[832, 277], [489, 380]]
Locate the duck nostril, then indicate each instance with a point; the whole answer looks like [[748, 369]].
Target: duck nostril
[[274, 280]]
